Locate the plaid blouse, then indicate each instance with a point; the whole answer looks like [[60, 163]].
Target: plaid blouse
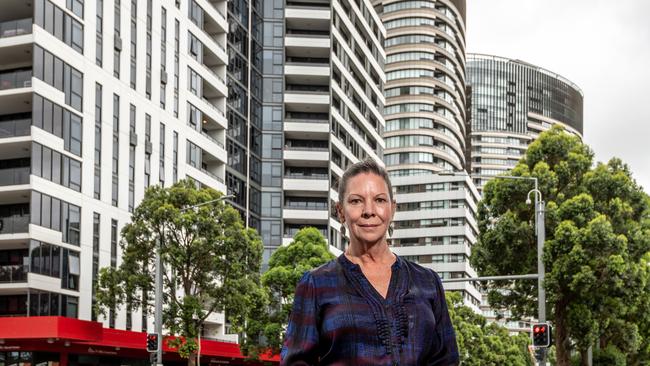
[[338, 318]]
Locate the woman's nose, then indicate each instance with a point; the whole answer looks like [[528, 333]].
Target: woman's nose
[[368, 210]]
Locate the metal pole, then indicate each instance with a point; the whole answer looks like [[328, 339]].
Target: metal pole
[[159, 291], [532, 276], [541, 292]]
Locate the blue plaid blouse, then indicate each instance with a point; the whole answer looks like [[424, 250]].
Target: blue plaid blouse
[[338, 318]]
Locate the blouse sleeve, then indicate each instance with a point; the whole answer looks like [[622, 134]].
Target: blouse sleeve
[[447, 354], [301, 340]]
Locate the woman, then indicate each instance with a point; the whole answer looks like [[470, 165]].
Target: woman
[[368, 306]]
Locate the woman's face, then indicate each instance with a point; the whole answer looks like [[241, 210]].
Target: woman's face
[[366, 209]]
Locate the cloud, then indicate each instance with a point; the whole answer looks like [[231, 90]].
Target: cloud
[[601, 46]]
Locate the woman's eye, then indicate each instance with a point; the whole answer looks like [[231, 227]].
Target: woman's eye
[[355, 201], [381, 200]]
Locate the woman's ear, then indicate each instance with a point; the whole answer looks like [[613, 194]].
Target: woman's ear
[[339, 212]]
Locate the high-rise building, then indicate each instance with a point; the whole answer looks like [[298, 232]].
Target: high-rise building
[[99, 99], [425, 135], [305, 99], [330, 116], [512, 103]]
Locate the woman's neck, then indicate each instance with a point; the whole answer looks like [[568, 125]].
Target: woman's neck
[[362, 254]]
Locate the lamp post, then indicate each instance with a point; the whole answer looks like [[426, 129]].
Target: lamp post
[[540, 233], [159, 281]]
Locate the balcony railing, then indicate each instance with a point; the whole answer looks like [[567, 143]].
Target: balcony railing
[[305, 176], [13, 176], [14, 224], [218, 178], [16, 127], [14, 28], [213, 106], [219, 143], [15, 79], [305, 206], [13, 273]]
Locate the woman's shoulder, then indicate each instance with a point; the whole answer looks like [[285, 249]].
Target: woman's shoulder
[[418, 272], [323, 273]]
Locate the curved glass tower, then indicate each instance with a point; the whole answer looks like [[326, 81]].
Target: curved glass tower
[[512, 102]]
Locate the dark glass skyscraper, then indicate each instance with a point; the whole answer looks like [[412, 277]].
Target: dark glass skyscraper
[[512, 102]]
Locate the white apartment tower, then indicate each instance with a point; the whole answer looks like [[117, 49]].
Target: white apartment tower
[[99, 99], [333, 102]]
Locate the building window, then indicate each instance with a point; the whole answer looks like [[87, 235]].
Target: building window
[[58, 121], [147, 151], [96, 226], [149, 26], [175, 158], [116, 152], [59, 23], [56, 167], [57, 215], [134, 42], [132, 119], [55, 72], [117, 40], [99, 30], [177, 27], [163, 57], [97, 188], [161, 170]]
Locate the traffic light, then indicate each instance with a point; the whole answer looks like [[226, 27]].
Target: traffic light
[[152, 342], [541, 335]]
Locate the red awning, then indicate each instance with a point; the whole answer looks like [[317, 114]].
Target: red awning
[[86, 333]]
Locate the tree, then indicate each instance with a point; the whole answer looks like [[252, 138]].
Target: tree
[[483, 344], [597, 235], [287, 264], [211, 263]]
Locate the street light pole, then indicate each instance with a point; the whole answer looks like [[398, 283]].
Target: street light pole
[[159, 280], [540, 233]]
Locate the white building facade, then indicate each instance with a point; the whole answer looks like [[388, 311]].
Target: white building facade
[[98, 101]]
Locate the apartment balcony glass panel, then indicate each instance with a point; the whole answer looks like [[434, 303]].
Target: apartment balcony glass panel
[[13, 28], [15, 125], [17, 78], [14, 219]]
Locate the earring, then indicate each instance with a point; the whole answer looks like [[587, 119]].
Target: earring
[[390, 231], [343, 231]]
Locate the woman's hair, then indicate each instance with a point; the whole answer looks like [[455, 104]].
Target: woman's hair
[[364, 166]]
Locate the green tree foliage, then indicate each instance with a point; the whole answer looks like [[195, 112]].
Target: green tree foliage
[[211, 263], [596, 251], [308, 250], [483, 344]]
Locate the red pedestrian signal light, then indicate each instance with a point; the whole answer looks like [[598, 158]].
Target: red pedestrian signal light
[[541, 335], [152, 342]]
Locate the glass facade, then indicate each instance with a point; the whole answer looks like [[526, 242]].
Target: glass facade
[[504, 92], [511, 103]]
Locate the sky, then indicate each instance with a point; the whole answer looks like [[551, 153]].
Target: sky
[[602, 46]]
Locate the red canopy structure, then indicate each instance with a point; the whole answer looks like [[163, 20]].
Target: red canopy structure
[[68, 335]]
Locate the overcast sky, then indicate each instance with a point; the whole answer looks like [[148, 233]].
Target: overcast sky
[[602, 46]]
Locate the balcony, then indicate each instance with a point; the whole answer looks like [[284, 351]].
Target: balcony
[[313, 71], [212, 25], [310, 98], [304, 179], [307, 42], [14, 224], [15, 125], [304, 210], [210, 60], [13, 28], [14, 176], [13, 273], [15, 79]]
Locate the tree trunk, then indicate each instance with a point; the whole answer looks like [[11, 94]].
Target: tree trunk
[[562, 351], [584, 357], [191, 361]]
